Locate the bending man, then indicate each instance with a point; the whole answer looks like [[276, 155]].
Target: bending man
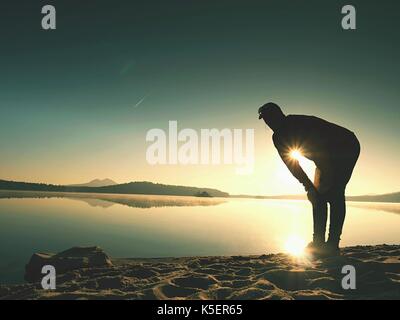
[[334, 150]]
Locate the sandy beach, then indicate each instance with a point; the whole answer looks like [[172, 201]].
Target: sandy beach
[[275, 276]]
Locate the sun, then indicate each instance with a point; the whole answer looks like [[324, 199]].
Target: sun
[[296, 154], [295, 246]]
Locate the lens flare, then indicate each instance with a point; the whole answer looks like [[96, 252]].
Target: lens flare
[[295, 246], [296, 154]]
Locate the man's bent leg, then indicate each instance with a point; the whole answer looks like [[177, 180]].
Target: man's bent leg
[[344, 166], [320, 215], [337, 216], [320, 211], [343, 171]]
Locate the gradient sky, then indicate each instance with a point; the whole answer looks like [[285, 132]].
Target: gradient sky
[[76, 102]]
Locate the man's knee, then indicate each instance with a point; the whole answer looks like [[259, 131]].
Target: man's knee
[[320, 201]]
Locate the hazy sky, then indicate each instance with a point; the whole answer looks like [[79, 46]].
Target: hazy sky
[[76, 102]]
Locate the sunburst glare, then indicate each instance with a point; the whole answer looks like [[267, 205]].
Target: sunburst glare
[[295, 246], [296, 154]]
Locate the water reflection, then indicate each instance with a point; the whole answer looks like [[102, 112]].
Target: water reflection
[[170, 228], [377, 206], [107, 200]]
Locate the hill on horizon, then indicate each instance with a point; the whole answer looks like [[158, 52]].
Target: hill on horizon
[[95, 183], [138, 187], [387, 197], [145, 187]]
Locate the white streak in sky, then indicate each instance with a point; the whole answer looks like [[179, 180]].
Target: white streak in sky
[[139, 102]]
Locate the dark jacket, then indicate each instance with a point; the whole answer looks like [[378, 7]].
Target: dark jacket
[[323, 142]]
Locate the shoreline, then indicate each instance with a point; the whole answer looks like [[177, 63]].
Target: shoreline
[[267, 276], [8, 193]]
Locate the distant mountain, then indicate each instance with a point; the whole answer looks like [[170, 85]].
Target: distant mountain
[[388, 197], [142, 187], [145, 187], [95, 183]]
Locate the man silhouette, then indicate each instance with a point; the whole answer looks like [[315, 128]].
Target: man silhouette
[[334, 150]]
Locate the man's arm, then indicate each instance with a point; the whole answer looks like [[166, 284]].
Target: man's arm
[[293, 165]]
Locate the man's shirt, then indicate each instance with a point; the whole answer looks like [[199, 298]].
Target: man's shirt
[[321, 141]]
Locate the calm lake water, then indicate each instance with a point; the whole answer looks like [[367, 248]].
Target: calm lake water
[[164, 226]]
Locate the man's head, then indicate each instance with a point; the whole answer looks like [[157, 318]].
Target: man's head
[[272, 114]]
